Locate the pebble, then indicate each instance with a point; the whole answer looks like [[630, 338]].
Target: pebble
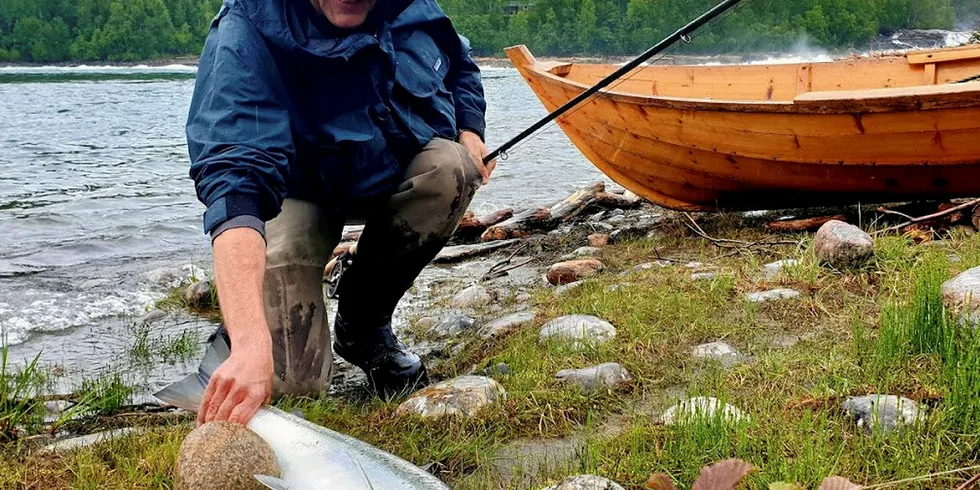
[[773, 295], [963, 291], [704, 276], [694, 265], [842, 245], [607, 376], [718, 351], [598, 216], [579, 330], [501, 369], [164, 276], [598, 240], [889, 412], [474, 296], [616, 219], [600, 225], [506, 325], [464, 396], [198, 294], [617, 287], [586, 482], [564, 288], [151, 317], [617, 212], [772, 270], [91, 439], [522, 297], [55, 409], [427, 322], [573, 270], [701, 407], [453, 325], [582, 252]]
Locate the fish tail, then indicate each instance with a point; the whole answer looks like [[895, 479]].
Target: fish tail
[[189, 392]]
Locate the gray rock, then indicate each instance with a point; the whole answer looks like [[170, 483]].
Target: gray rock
[[601, 226], [963, 291], [586, 482], [475, 296], [717, 351], [887, 412], [506, 325], [522, 297], [701, 407], [772, 295], [694, 265], [772, 270], [501, 369], [704, 276], [152, 316], [453, 325], [842, 245], [616, 219], [91, 439], [617, 212], [198, 294], [582, 252], [464, 396], [55, 409], [606, 376], [564, 288], [579, 330], [598, 216], [427, 322], [164, 276], [616, 287]]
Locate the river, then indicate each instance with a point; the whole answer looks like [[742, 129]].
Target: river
[[98, 217]]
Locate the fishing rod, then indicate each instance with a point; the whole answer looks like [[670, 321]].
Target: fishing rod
[[683, 34]]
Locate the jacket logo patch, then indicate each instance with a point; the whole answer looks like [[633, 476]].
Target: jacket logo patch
[[437, 65]]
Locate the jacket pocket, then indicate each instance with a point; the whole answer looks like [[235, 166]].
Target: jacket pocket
[[422, 66]]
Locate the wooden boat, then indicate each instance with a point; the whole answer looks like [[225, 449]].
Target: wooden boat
[[777, 136]]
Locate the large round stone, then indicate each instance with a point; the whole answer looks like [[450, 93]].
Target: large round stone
[[224, 456], [843, 245], [464, 396], [579, 330]]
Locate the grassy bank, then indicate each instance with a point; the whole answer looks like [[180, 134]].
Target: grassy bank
[[877, 330]]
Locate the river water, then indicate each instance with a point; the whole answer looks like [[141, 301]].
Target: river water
[[98, 217]]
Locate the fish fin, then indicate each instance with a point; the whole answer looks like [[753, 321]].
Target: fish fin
[[189, 392], [272, 482]]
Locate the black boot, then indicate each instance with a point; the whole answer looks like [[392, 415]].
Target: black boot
[[392, 370]]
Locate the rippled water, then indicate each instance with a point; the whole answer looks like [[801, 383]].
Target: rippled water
[[98, 216]]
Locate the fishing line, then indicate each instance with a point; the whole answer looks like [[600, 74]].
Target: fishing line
[[682, 35]]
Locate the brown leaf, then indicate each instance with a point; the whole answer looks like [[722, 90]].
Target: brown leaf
[[838, 483], [659, 481], [726, 475]]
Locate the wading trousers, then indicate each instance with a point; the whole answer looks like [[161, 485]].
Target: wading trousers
[[402, 233]]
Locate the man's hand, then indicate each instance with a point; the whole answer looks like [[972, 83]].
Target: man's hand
[[478, 149], [240, 386]]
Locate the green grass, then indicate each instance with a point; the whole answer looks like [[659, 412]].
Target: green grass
[[19, 408], [880, 329]]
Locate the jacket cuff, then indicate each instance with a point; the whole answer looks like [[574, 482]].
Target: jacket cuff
[[471, 121], [243, 221], [229, 207]]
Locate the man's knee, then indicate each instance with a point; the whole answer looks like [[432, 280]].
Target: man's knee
[[446, 168], [299, 236]]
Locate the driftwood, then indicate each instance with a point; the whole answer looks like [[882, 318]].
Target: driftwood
[[460, 252], [976, 217], [622, 201], [473, 225], [798, 225], [967, 205], [571, 206], [520, 225]]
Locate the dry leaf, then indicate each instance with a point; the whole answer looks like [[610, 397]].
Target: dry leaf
[[726, 475], [659, 481], [838, 483], [781, 485]]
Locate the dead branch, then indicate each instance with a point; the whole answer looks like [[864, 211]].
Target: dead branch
[[940, 214]]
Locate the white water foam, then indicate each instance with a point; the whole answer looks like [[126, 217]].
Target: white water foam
[[46, 70]]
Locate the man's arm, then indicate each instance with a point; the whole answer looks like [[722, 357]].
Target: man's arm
[[466, 85], [240, 146]]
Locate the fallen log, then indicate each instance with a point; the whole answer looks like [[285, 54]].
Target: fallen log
[[460, 252], [571, 206], [798, 225], [621, 201], [976, 217], [967, 205], [473, 225], [520, 225]]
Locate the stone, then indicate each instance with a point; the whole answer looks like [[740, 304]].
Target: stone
[[842, 245], [773, 269], [606, 376], [616, 218], [963, 291], [586, 482], [506, 325], [224, 456], [522, 297], [694, 265], [501, 369], [582, 252], [427, 322], [887, 412], [198, 294], [598, 216], [474, 296], [91, 439], [701, 407], [464, 396], [601, 226], [617, 212], [573, 270], [640, 229], [704, 276], [618, 287], [564, 288], [453, 325], [598, 240], [773, 295], [717, 351], [164, 276], [54, 410], [579, 330], [152, 316]]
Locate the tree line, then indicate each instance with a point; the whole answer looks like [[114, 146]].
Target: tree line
[[130, 30]]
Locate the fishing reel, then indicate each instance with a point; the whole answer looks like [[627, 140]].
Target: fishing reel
[[334, 271]]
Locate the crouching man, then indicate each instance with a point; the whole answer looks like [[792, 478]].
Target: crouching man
[[308, 114]]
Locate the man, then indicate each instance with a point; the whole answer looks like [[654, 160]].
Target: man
[[307, 114]]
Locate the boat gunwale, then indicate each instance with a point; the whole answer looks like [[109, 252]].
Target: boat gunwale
[[954, 99]]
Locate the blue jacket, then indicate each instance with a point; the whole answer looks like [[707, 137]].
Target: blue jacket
[[287, 105]]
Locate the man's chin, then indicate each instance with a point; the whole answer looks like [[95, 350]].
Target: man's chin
[[347, 21]]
